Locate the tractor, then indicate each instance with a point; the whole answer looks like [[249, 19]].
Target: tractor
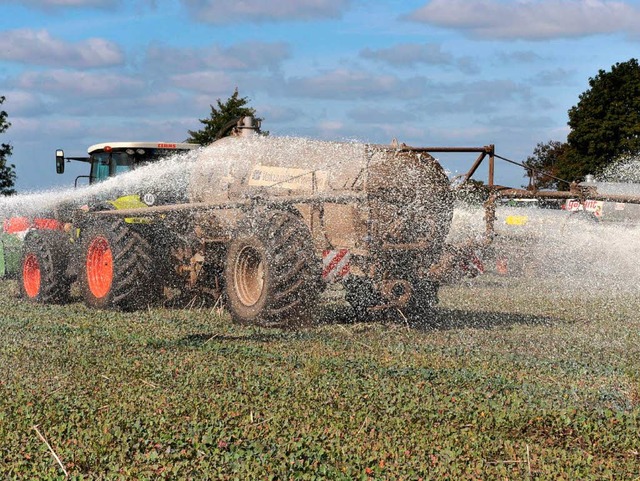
[[106, 160]]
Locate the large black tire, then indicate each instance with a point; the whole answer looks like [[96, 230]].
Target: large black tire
[[42, 275], [271, 275], [116, 266]]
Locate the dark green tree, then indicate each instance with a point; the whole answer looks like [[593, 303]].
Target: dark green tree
[[7, 171], [221, 119], [544, 165], [605, 124]]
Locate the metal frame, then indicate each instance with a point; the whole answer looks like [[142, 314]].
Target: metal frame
[[495, 191]]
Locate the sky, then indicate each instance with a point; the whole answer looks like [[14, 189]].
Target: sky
[[429, 73]]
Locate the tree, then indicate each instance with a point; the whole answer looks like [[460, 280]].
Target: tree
[[544, 165], [221, 118], [7, 172], [605, 124]]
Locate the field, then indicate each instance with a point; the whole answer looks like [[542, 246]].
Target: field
[[510, 380]]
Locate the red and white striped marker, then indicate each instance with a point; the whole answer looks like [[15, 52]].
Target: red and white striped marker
[[335, 264]]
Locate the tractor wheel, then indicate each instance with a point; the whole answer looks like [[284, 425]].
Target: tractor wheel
[[43, 265], [116, 267], [271, 274]]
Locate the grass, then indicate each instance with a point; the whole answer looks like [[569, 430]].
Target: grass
[[510, 380]]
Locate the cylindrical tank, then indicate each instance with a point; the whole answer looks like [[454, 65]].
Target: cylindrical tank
[[390, 208], [233, 167]]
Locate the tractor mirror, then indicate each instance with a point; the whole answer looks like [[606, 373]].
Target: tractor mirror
[[60, 161]]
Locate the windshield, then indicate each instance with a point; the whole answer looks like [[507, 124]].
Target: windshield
[[100, 164], [125, 160]]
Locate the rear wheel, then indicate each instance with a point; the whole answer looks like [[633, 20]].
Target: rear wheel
[[42, 274], [116, 267], [271, 275]]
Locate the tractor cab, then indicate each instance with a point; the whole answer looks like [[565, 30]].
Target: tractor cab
[[115, 158]]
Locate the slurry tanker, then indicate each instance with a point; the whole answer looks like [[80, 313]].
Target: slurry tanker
[[263, 224]]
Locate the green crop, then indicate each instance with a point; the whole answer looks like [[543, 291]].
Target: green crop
[[509, 380]]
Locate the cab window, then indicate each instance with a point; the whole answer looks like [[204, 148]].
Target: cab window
[[100, 164]]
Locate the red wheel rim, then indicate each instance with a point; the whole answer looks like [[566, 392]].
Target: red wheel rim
[[99, 267], [31, 275]]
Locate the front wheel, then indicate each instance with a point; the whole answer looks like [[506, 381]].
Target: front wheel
[[271, 274], [116, 267], [43, 266]]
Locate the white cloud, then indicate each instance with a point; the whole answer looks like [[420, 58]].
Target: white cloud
[[214, 83], [558, 76], [47, 4], [21, 102], [241, 57], [27, 128], [226, 11], [477, 97], [278, 114], [38, 47], [151, 103], [520, 122], [447, 100], [410, 54], [330, 127], [345, 84], [80, 84], [520, 56], [381, 115], [530, 19], [379, 132]]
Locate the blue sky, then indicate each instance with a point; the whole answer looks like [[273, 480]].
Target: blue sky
[[439, 72]]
